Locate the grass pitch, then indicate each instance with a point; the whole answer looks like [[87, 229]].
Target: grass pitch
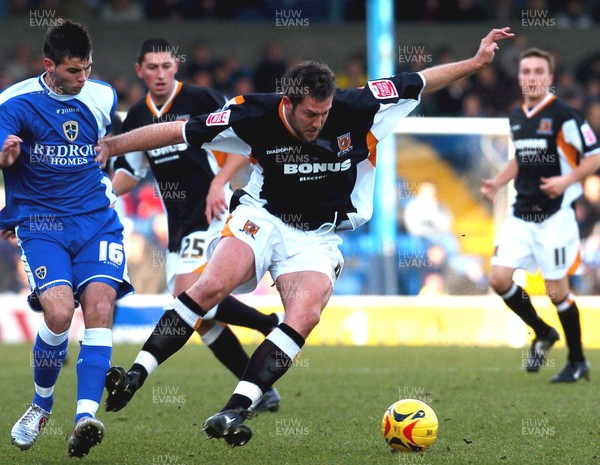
[[490, 411]]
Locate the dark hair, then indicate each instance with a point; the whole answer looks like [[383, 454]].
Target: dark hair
[[155, 45], [538, 52], [310, 78], [67, 40]]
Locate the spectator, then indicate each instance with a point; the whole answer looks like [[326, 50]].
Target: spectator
[[158, 9], [508, 57], [200, 61], [466, 11], [590, 257], [592, 91], [122, 11], [433, 284], [574, 15], [272, 66], [242, 85], [354, 74], [589, 68], [587, 208], [427, 218], [202, 79], [18, 66], [5, 79], [592, 115], [492, 91], [226, 72], [146, 264], [568, 89], [471, 107], [449, 101]]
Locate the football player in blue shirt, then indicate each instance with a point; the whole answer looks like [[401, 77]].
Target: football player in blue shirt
[[58, 203]]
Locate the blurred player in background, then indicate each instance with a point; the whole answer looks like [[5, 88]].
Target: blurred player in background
[[315, 153], [555, 149], [58, 203], [193, 184]]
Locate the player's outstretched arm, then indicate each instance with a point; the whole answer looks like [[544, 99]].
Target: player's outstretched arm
[[10, 150], [142, 139], [441, 76], [490, 187]]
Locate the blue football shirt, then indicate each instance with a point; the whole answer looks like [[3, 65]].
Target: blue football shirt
[[55, 174]]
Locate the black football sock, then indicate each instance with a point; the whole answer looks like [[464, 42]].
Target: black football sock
[[234, 312], [568, 313], [169, 335], [227, 348], [517, 299], [269, 362]]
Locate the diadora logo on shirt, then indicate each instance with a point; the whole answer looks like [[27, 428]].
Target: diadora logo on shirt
[[383, 88], [284, 149], [71, 130], [220, 118], [308, 168]]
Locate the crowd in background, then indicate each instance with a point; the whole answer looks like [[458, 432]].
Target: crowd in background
[[568, 13], [492, 92]]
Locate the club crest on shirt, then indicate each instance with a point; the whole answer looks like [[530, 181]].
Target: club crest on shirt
[[383, 88], [71, 130], [545, 126], [344, 144], [40, 272], [250, 228]]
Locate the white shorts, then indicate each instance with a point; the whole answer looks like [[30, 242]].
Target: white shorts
[[192, 252], [281, 249], [552, 245]]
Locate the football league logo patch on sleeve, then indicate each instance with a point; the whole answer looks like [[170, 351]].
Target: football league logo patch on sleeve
[[383, 88], [588, 134], [220, 118]]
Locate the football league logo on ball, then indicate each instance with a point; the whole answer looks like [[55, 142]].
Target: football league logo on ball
[[409, 425]]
